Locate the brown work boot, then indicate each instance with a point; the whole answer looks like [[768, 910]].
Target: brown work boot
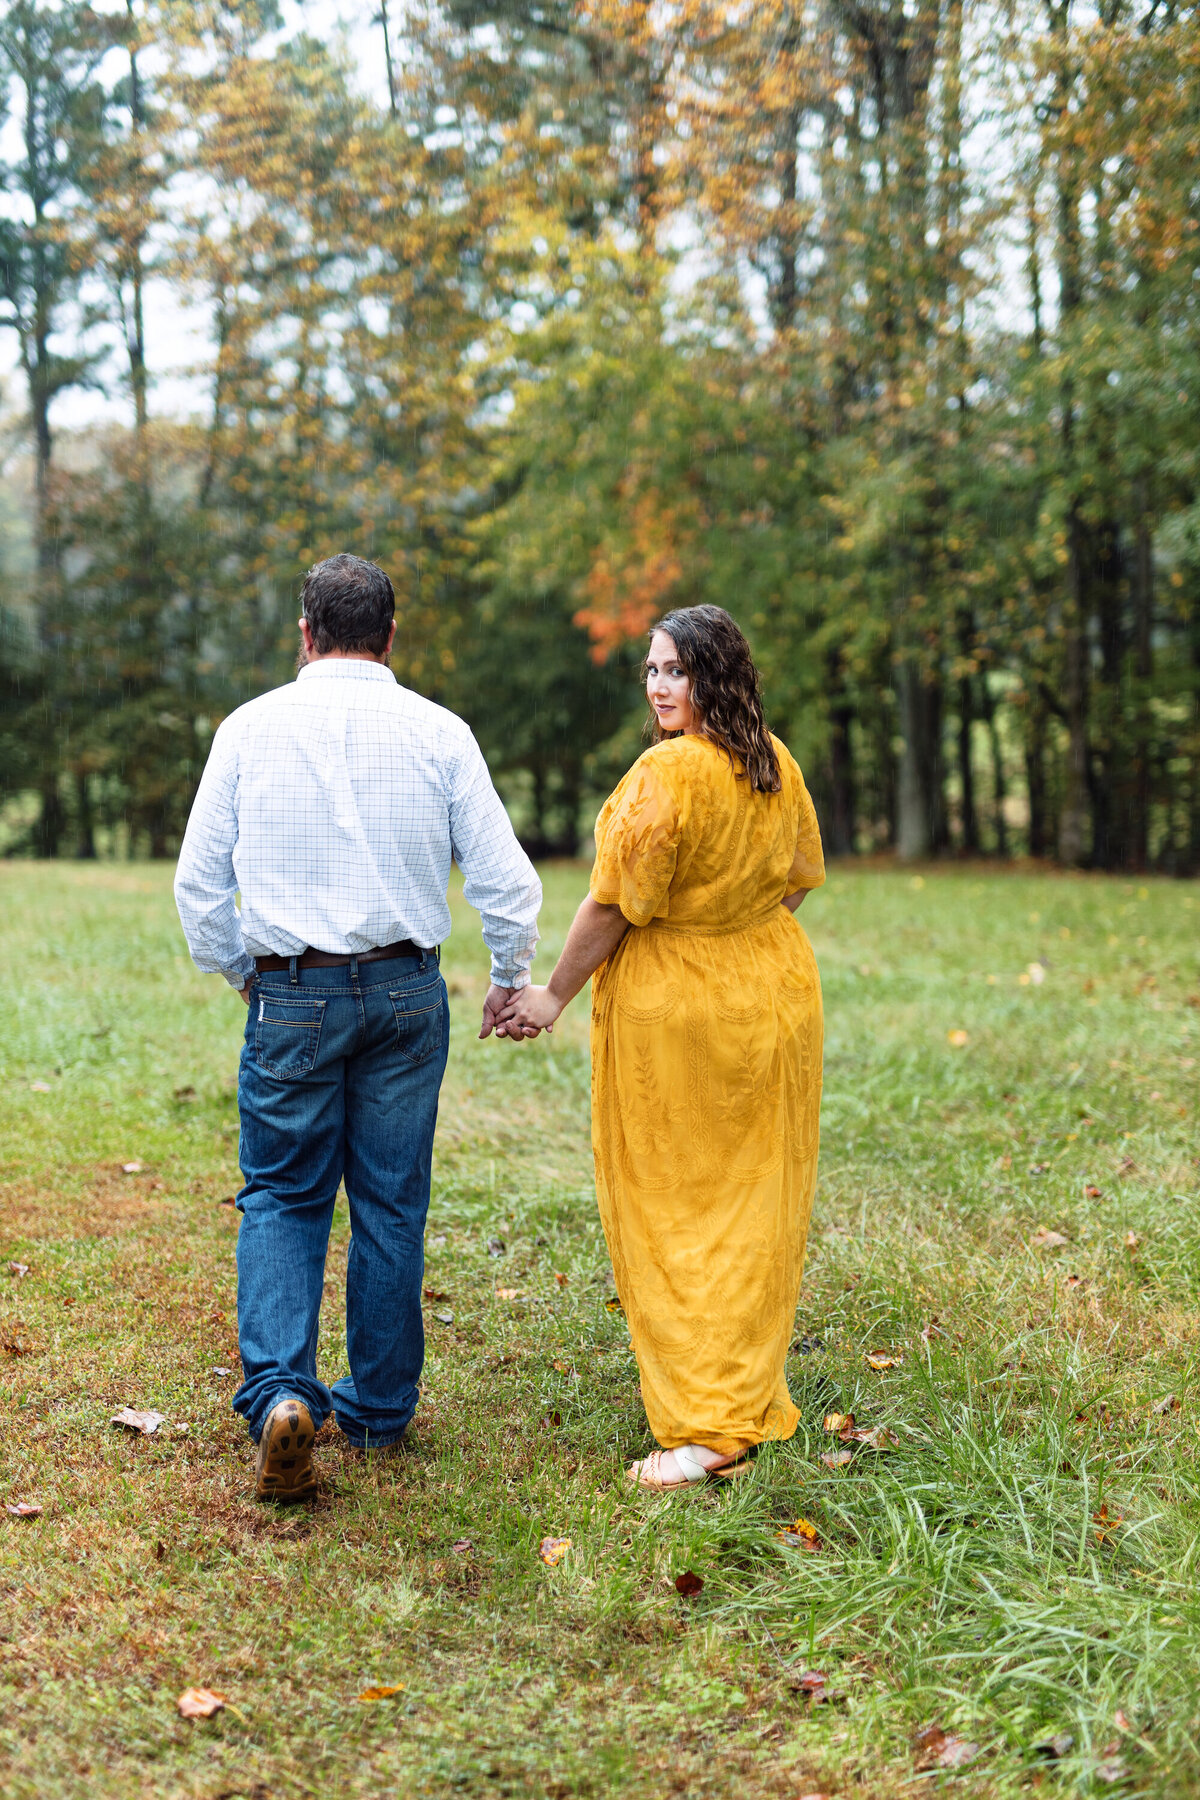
[[284, 1469]]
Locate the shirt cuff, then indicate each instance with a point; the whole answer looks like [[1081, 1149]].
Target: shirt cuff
[[241, 972], [510, 978]]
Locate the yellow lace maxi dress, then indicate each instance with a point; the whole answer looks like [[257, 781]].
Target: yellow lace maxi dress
[[706, 1085]]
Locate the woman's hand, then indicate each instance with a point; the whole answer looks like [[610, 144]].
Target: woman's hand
[[531, 1009]]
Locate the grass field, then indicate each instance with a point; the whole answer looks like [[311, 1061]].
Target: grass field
[[1021, 1569]]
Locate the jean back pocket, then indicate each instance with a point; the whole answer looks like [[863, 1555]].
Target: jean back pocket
[[420, 1021], [287, 1034]]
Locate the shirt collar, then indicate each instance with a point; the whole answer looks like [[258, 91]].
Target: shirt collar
[[346, 668]]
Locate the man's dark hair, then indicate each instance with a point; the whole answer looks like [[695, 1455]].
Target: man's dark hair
[[349, 605]]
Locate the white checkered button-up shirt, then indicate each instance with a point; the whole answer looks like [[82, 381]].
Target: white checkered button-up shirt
[[336, 804]]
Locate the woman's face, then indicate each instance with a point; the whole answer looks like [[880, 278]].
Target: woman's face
[[668, 689]]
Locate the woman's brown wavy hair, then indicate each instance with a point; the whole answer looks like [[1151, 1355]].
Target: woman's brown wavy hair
[[725, 690]]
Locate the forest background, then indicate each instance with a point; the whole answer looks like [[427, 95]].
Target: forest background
[[873, 320]]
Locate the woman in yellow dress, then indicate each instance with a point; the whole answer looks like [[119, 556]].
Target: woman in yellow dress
[[706, 1050]]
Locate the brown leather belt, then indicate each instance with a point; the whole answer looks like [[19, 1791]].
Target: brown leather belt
[[338, 959]]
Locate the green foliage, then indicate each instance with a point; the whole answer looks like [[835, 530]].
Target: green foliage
[[607, 309]]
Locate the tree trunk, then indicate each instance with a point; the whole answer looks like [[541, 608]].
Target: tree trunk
[[987, 707], [842, 796], [1143, 654], [1035, 774], [913, 837], [85, 824]]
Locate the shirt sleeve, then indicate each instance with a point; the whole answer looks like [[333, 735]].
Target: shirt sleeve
[[808, 864], [499, 880], [637, 845], [205, 884]]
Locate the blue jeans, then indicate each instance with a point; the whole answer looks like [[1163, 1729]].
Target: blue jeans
[[339, 1078]]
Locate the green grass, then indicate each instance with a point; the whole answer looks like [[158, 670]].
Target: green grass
[[963, 1578]]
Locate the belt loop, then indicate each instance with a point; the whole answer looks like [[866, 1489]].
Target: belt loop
[[293, 976], [354, 968]]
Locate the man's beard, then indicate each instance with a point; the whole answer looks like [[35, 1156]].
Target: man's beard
[[301, 657]]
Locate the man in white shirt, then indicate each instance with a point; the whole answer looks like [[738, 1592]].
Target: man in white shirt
[[335, 805]]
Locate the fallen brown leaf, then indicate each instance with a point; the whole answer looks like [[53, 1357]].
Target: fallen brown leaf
[[837, 1459], [509, 1294], [145, 1422], [1045, 1239], [560, 1277], [200, 1703], [552, 1550], [1132, 1242], [1075, 1281], [381, 1693], [839, 1421], [938, 1749], [881, 1438], [435, 1294], [18, 1269], [1107, 1522], [613, 1305], [932, 1330], [23, 1509], [1092, 1193], [1168, 1404], [689, 1584], [1110, 1771], [879, 1363], [463, 1547], [1121, 1722]]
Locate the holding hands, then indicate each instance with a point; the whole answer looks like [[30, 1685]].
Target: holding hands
[[519, 1013]]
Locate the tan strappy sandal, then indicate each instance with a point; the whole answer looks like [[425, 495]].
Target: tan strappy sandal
[[648, 1475]]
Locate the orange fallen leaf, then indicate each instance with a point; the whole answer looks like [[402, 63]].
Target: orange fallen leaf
[[1075, 1281], [552, 1550], [560, 1277], [839, 1421], [200, 1703], [381, 1693], [613, 1305], [147, 1423], [1121, 1722], [959, 1039], [879, 1363], [1092, 1192], [688, 1584], [803, 1535], [1107, 1522]]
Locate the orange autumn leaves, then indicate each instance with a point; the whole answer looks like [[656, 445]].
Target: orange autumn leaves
[[637, 569]]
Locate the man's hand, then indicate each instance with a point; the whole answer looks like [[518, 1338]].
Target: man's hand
[[494, 1003], [247, 990], [533, 1009]]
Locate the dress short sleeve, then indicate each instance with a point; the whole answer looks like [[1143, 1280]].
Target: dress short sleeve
[[637, 843], [808, 864]]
